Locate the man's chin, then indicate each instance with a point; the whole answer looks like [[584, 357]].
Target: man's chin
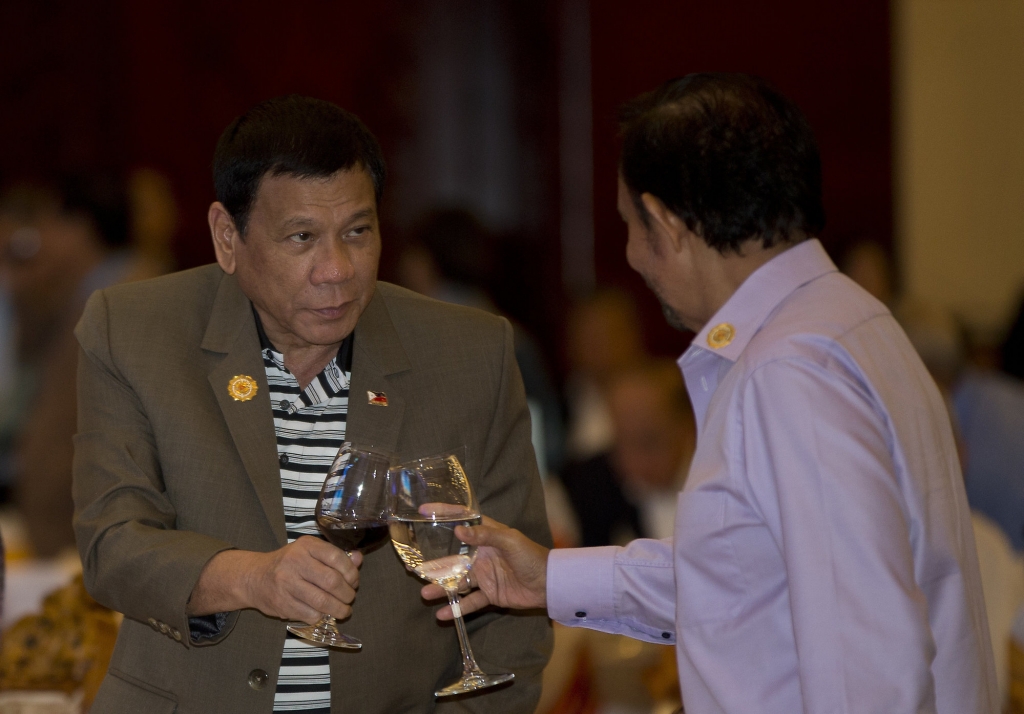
[[327, 332]]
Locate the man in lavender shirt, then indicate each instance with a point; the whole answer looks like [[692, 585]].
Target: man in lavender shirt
[[823, 558]]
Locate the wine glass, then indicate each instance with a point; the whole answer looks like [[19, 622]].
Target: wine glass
[[427, 499], [351, 513]]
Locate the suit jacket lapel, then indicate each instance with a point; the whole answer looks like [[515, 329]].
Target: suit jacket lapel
[[377, 354], [231, 332]]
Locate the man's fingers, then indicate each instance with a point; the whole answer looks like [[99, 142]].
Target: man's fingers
[[311, 601], [331, 582], [493, 534], [476, 600], [336, 558], [432, 592], [436, 592]]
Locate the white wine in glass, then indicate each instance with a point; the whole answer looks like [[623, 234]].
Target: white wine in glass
[[428, 499]]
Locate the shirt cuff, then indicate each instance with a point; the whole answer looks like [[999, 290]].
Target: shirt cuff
[[206, 627], [581, 584]]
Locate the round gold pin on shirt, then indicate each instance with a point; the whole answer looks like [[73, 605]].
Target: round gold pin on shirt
[[721, 335], [242, 388]]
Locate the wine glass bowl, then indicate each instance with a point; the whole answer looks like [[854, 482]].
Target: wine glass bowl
[[428, 499], [351, 513]]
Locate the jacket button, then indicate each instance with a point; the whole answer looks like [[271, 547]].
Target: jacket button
[[176, 635], [258, 679], [153, 623], [165, 628]]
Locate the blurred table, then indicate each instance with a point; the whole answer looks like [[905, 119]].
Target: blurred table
[[29, 580]]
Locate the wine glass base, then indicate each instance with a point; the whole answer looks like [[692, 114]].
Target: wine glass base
[[473, 682], [327, 638]]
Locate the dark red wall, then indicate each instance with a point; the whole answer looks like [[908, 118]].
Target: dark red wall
[[832, 58], [153, 83]]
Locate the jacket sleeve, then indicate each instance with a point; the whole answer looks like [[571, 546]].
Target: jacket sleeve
[[510, 491], [134, 559]]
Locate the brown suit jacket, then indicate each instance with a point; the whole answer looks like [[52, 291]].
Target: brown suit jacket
[[170, 470]]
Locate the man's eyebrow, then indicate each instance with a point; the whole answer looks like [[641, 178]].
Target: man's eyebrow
[[298, 222], [360, 215], [306, 221]]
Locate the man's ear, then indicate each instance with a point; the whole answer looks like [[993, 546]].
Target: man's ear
[[225, 236], [664, 220]]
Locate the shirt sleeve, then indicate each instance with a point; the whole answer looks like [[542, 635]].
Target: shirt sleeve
[[818, 460], [624, 591]]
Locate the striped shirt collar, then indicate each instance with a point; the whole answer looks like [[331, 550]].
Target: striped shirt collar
[[330, 383]]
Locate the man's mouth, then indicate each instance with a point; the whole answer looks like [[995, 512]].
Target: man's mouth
[[332, 312]]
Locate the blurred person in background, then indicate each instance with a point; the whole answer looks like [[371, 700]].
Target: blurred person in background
[[987, 410], [449, 258], [10, 408], [154, 217], [603, 339], [630, 491], [871, 267], [60, 242], [1012, 349]]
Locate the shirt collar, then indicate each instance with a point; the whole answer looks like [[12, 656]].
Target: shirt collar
[[749, 307]]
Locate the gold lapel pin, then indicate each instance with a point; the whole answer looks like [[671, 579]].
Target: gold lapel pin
[[377, 399], [242, 387], [721, 335]]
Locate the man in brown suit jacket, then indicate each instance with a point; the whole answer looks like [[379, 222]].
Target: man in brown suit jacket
[[179, 513]]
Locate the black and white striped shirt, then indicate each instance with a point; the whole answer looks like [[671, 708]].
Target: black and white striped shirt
[[310, 427]]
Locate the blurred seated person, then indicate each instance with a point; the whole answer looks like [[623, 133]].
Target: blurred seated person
[[630, 492], [59, 242], [604, 339], [871, 267], [449, 258]]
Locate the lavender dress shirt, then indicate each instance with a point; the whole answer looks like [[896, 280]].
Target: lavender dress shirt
[[823, 558]]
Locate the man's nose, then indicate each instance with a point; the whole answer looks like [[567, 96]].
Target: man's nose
[[333, 264]]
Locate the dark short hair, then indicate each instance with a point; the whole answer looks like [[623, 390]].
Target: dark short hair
[[293, 135], [729, 155]]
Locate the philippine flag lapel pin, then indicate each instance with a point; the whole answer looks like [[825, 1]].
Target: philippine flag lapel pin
[[377, 399]]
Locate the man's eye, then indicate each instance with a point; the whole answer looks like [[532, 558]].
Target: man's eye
[[361, 230], [301, 237]]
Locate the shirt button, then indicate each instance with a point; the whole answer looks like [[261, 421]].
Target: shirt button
[[258, 679], [581, 614], [666, 635], [284, 404], [284, 459]]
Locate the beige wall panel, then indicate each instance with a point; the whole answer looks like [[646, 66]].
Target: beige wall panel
[[959, 152]]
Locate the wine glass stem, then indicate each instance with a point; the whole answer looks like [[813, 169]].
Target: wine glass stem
[[469, 665], [327, 624]]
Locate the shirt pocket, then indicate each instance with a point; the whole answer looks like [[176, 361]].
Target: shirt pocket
[[709, 581]]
